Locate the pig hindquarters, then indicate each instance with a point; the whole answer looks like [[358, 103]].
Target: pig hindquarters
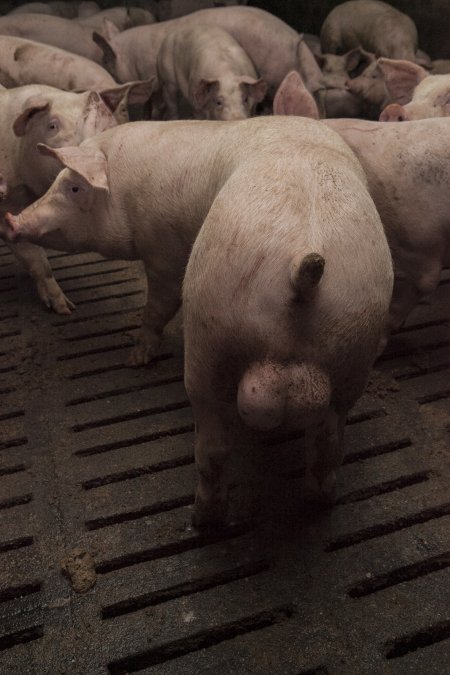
[[285, 298]]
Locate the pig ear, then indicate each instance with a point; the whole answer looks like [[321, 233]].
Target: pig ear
[[401, 78], [109, 30], [203, 92], [257, 88], [33, 105], [305, 274], [356, 60], [293, 98], [130, 93], [89, 164], [109, 55]]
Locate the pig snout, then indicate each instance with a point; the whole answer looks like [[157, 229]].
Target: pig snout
[[394, 112], [270, 394]]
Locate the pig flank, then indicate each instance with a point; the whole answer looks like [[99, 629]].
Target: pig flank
[[27, 62], [52, 30]]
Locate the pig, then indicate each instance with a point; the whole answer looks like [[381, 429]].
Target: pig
[[67, 9], [408, 168], [414, 93], [336, 72], [121, 17], [27, 62], [285, 298], [370, 91], [376, 26], [161, 225], [53, 30], [272, 45], [29, 115], [211, 72]]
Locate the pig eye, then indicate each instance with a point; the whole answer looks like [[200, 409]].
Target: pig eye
[[245, 99], [53, 125], [75, 188], [219, 103]]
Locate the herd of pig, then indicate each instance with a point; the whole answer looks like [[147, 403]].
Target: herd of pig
[[296, 245]]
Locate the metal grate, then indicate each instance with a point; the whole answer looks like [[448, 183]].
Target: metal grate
[[98, 456]]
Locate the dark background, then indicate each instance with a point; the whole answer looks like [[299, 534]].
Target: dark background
[[432, 17]]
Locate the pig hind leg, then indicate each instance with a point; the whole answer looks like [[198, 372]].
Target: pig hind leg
[[35, 261], [324, 445], [211, 451], [409, 291]]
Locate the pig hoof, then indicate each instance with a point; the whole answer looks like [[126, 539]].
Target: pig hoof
[[207, 516], [62, 305], [140, 356], [321, 494]]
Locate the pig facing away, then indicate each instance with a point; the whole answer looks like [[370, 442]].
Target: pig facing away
[[175, 171], [376, 26], [408, 169], [415, 94], [211, 72], [285, 300], [274, 47], [29, 115]]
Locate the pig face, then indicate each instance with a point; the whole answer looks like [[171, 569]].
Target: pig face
[[59, 120], [417, 94], [338, 69], [229, 98], [68, 213], [369, 87]]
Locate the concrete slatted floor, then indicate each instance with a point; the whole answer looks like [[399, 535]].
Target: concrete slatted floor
[[98, 456]]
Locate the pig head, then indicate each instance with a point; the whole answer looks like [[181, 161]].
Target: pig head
[[413, 92]]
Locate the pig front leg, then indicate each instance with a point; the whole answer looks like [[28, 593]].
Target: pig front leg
[[163, 302], [35, 261], [211, 452], [324, 444], [170, 98]]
